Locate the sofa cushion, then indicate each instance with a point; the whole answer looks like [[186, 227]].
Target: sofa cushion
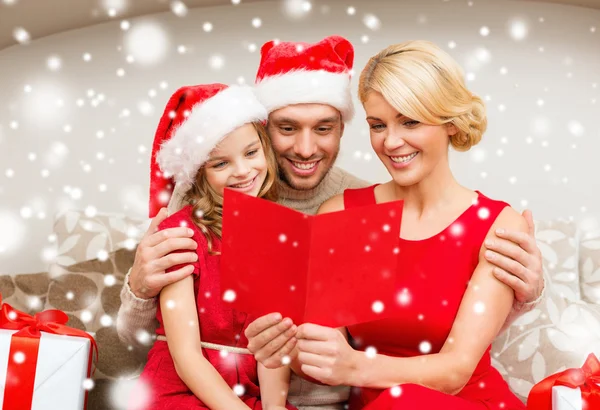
[[80, 237], [590, 268], [558, 243], [89, 293], [25, 292], [562, 330]]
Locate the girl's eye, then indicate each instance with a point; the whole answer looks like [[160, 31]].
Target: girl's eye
[[324, 129], [252, 153], [377, 127], [220, 164]]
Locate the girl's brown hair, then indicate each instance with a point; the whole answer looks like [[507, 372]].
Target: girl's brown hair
[[207, 204]]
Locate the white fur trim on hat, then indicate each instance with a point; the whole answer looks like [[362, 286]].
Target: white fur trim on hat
[[307, 87], [207, 124]]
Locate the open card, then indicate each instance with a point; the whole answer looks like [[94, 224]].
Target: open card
[[334, 269]]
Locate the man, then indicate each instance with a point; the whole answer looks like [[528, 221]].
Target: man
[[306, 89]]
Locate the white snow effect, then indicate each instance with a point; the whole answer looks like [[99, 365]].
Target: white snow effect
[[12, 233], [106, 320], [86, 316], [125, 25], [518, 29], [19, 357], [207, 27], [282, 238], [483, 213], [371, 352], [576, 128], [404, 297], [541, 126], [479, 308], [54, 63], [123, 390], [377, 306], [143, 337], [425, 347], [216, 62], [256, 22], [110, 280], [296, 9], [396, 391], [484, 31], [229, 295], [239, 390], [478, 155], [351, 11], [88, 384], [21, 35], [147, 42], [145, 108], [179, 8], [286, 360], [372, 22], [457, 229]]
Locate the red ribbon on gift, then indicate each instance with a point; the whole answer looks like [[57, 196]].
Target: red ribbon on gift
[[586, 378], [24, 347]]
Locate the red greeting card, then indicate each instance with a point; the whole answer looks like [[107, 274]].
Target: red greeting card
[[334, 269]]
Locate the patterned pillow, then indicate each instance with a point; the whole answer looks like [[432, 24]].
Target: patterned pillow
[[590, 268], [81, 237], [562, 330], [558, 242], [25, 292], [89, 293], [554, 336]]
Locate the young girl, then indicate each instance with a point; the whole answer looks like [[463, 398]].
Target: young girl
[[210, 137]]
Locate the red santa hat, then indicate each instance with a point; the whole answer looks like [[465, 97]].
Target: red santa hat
[[195, 120], [296, 73]]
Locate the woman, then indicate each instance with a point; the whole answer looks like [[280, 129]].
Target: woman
[[435, 353]]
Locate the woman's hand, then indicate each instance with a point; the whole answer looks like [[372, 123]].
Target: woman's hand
[[325, 355]]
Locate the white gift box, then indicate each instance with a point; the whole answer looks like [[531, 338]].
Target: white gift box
[[566, 398], [62, 367]]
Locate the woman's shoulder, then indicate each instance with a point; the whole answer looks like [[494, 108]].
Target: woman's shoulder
[[507, 216]]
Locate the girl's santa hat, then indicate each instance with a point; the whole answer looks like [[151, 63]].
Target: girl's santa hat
[[195, 120], [297, 73]]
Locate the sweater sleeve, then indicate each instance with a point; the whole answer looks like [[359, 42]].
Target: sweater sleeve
[[136, 320]]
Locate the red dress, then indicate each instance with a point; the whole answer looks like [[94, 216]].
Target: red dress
[[435, 275], [218, 324]]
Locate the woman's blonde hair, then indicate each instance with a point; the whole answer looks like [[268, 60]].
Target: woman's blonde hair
[[207, 204], [424, 83]]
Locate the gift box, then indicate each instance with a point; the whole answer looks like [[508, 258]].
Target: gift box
[[43, 362], [572, 389]]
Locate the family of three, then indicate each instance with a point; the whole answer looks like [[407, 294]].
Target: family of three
[[470, 265]]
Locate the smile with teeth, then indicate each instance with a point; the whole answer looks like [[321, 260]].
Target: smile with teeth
[[405, 158], [305, 166], [243, 184]]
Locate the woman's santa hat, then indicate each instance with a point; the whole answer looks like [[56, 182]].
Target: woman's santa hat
[[195, 120], [297, 73]]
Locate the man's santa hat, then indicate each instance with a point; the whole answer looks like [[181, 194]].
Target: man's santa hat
[[195, 120], [297, 73]]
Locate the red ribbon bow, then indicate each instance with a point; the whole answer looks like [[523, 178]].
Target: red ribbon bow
[[24, 347], [587, 379]]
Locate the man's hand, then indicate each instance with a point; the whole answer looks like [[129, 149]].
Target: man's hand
[[270, 339], [325, 355], [154, 256], [518, 261]]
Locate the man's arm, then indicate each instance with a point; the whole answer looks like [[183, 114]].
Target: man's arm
[[155, 254], [518, 263]]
